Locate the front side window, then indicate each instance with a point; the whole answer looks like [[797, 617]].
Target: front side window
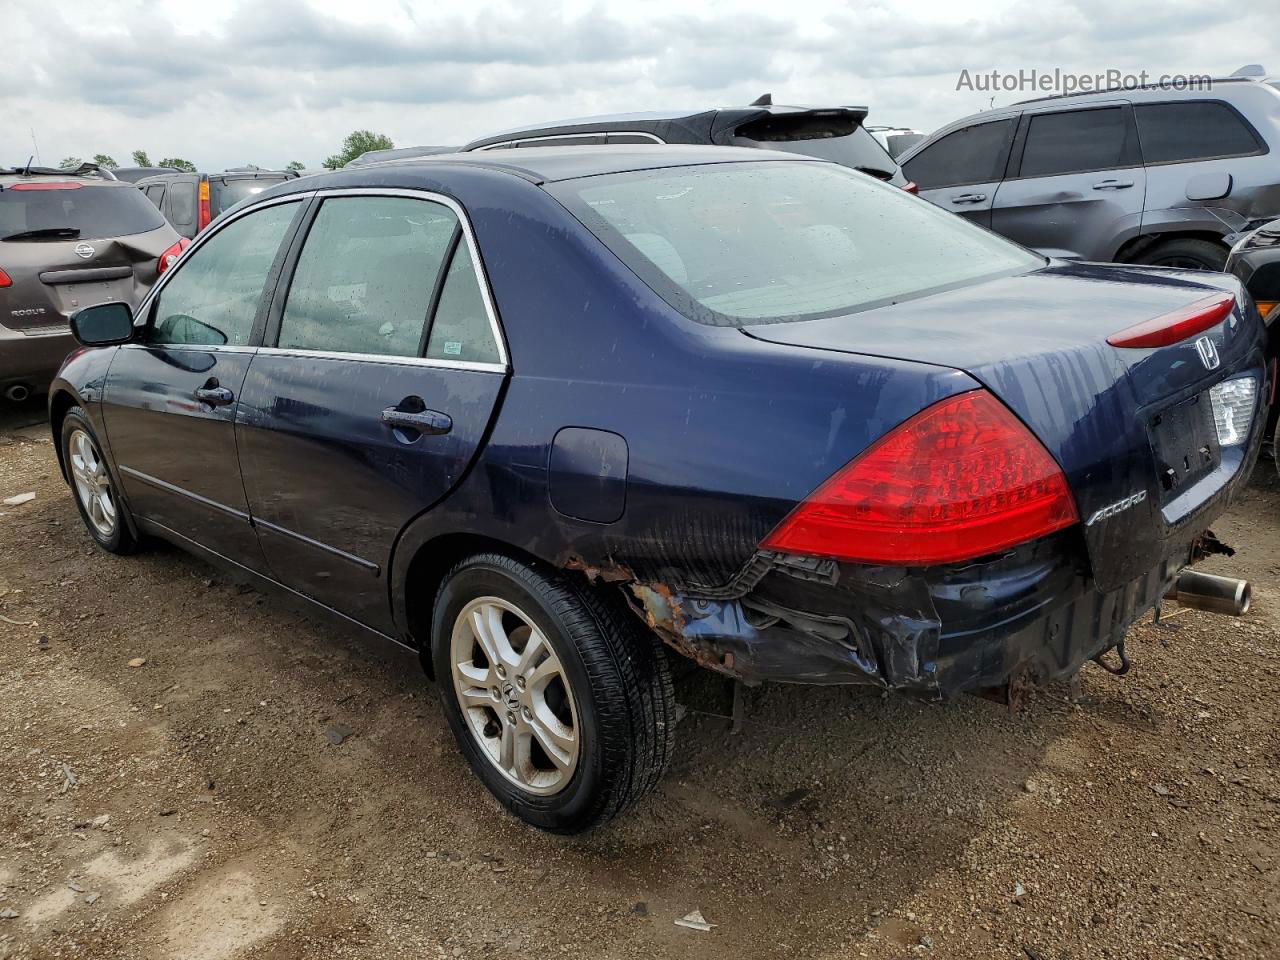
[[1077, 142], [975, 154], [366, 275], [746, 243], [213, 298], [1192, 130]]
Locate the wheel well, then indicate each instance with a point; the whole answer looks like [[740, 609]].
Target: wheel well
[[427, 570], [1137, 246], [59, 404]]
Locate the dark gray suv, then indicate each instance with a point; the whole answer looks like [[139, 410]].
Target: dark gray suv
[[68, 239], [1147, 175]]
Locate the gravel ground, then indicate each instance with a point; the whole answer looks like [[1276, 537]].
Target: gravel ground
[[190, 769]]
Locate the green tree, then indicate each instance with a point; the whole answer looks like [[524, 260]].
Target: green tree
[[295, 165], [69, 163], [103, 160], [186, 166], [140, 158], [358, 142]]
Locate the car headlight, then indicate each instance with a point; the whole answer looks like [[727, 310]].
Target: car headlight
[[1233, 404]]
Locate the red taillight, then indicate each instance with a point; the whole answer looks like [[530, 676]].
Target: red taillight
[[961, 479], [45, 186], [4, 280], [169, 256], [911, 187], [1179, 325], [203, 216]]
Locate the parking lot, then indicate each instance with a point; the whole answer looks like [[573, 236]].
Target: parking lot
[[192, 769]]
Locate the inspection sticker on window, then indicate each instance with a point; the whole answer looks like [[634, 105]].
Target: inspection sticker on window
[[453, 348]]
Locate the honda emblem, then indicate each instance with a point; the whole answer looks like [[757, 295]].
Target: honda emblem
[[1208, 353]]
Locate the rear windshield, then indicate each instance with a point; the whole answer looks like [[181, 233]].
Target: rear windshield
[[749, 243], [225, 194], [838, 138], [86, 212]]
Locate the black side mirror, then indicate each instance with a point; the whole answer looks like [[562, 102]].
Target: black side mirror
[[103, 325]]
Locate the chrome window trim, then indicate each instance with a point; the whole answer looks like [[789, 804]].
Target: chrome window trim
[[503, 144], [473, 249], [387, 358], [191, 347], [201, 239]]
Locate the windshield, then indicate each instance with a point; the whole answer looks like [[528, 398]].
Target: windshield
[[225, 194], [747, 243], [41, 210]]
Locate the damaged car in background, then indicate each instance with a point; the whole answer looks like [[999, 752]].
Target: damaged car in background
[[531, 412]]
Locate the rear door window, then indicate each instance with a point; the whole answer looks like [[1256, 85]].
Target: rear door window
[[974, 154], [461, 329], [213, 298], [74, 210], [1192, 130], [1077, 141], [366, 276]]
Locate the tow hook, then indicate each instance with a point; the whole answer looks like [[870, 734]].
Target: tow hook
[[1205, 591], [1119, 670]]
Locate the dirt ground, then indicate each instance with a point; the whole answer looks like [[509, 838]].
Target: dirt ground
[[198, 806]]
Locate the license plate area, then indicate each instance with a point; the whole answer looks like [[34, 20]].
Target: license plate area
[[1185, 444]]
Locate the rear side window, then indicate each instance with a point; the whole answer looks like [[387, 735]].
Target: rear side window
[[155, 193], [213, 298], [461, 328], [1076, 142], [1193, 130], [975, 154], [182, 203], [366, 275], [79, 210]]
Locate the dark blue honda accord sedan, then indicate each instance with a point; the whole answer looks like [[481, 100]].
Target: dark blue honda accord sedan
[[544, 415]]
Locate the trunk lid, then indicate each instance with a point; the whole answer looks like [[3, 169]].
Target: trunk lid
[[1116, 420]]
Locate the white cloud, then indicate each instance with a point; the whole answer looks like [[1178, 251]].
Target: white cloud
[[269, 82]]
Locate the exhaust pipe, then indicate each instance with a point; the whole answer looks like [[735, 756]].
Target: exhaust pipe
[[1204, 591], [18, 392]]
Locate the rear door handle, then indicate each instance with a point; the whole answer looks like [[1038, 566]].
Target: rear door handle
[[1113, 185], [969, 198], [214, 395], [426, 421]]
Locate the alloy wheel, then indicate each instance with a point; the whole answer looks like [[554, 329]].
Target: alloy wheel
[[515, 695], [92, 483]]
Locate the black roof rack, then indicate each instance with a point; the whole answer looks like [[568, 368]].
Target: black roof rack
[[1125, 89]]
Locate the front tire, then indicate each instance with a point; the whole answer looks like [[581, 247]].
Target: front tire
[[1187, 253], [559, 700], [93, 486]]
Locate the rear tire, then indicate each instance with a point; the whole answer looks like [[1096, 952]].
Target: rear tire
[[1186, 253], [605, 708], [93, 486]]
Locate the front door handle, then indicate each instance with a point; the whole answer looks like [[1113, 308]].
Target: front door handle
[[969, 198], [214, 395], [425, 421], [1113, 185]]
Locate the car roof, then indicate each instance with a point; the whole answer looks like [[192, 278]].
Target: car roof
[[1152, 91], [10, 177], [551, 164]]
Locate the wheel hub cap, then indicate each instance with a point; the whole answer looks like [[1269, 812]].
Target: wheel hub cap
[[92, 482], [515, 695]]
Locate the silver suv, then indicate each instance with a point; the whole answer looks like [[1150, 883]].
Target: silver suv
[[1146, 175]]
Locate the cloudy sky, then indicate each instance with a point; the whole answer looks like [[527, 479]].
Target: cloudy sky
[[270, 81]]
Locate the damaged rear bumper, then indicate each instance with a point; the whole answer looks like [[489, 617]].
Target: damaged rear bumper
[[1029, 615]]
